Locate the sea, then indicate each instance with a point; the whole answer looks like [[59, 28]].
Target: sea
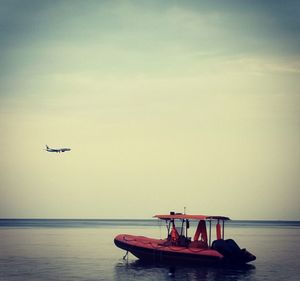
[[59, 249]]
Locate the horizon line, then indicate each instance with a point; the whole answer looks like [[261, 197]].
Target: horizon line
[[148, 219]]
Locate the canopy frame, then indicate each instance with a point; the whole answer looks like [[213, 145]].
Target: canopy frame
[[184, 218]]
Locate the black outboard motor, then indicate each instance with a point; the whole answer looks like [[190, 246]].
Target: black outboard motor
[[232, 252]]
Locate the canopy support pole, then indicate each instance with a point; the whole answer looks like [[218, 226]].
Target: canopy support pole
[[209, 233], [223, 229]]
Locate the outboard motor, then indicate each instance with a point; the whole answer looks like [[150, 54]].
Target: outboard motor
[[231, 251]]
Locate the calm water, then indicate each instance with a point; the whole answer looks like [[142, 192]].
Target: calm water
[[84, 250]]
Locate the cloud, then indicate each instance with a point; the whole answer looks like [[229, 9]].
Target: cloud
[[263, 65]]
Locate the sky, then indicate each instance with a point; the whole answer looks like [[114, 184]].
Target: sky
[[165, 105]]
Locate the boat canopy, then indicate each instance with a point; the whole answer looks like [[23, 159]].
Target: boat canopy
[[191, 217]]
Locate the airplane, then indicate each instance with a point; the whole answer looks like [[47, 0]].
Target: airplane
[[58, 150]]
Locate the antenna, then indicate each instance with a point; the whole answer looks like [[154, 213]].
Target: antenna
[[184, 209]]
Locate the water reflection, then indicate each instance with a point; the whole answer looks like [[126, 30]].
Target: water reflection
[[138, 270]]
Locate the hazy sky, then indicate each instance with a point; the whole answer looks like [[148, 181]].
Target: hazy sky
[[165, 104]]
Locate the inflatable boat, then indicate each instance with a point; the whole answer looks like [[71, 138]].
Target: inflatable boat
[[178, 247]]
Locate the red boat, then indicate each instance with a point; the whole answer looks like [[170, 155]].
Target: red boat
[[178, 247]]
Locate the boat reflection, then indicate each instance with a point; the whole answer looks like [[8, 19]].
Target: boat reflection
[[140, 270]]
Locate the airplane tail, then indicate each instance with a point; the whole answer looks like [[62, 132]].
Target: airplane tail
[[47, 147]]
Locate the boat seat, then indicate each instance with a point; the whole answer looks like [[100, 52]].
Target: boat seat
[[198, 244]]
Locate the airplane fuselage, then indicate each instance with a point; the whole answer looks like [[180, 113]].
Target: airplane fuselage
[[57, 150]]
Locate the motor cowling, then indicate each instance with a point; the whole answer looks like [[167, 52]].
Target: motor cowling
[[231, 251]]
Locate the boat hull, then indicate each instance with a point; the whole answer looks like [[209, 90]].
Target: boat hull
[[153, 250], [159, 251]]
